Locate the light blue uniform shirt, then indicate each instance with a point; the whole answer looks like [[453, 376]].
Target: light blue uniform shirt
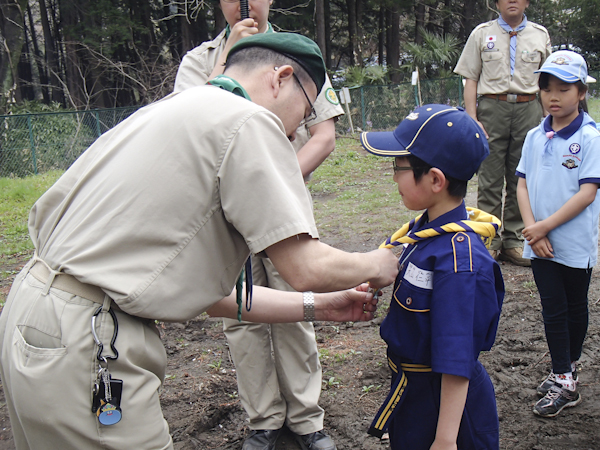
[[554, 168]]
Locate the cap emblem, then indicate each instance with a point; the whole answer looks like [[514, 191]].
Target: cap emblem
[[413, 116], [560, 61]]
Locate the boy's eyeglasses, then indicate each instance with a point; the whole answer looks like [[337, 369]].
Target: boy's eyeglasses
[[400, 168], [313, 113]]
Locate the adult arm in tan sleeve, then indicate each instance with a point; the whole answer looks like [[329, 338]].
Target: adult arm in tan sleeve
[[471, 101], [318, 148], [271, 306], [308, 264]]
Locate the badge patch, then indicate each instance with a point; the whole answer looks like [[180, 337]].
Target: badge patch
[[419, 277], [570, 164], [413, 116], [490, 45], [574, 148], [330, 95], [560, 61], [491, 38]]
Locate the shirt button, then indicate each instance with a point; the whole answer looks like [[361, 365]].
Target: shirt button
[[408, 300], [460, 238]]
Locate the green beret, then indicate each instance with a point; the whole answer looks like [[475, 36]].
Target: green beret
[[295, 46]]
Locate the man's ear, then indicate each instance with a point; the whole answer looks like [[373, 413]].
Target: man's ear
[[283, 75], [438, 180]]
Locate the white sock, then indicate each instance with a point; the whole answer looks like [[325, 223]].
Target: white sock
[[566, 380], [573, 366]]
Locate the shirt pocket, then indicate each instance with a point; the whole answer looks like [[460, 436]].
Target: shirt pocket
[[531, 62], [494, 64], [413, 321]]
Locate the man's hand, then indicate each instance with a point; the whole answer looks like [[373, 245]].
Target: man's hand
[[388, 267], [353, 305]]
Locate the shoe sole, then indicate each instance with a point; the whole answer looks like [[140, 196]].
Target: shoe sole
[[567, 405]]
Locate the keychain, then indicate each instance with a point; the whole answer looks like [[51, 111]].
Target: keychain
[[106, 398]]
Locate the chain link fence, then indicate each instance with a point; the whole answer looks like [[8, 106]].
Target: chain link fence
[[36, 143]]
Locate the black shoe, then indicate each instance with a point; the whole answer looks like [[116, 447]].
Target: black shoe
[[543, 388], [556, 400], [261, 440], [315, 441]]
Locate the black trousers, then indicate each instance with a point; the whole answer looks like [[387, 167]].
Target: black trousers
[[564, 294]]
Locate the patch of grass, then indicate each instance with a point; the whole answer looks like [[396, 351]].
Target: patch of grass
[[594, 108], [17, 196], [352, 183]]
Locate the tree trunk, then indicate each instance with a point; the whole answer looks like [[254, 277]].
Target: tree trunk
[[353, 47], [419, 21], [39, 74], [11, 45], [320, 20], [393, 56], [51, 56], [381, 36], [328, 50]]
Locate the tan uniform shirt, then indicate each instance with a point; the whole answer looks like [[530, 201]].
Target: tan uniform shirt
[[162, 211], [486, 58], [197, 65]]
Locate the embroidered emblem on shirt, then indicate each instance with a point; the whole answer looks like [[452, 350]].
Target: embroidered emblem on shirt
[[491, 38], [419, 277], [330, 95], [574, 148], [490, 45], [570, 164], [413, 116]]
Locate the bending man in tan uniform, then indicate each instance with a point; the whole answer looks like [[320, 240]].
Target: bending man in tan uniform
[[507, 108], [278, 370], [154, 222]]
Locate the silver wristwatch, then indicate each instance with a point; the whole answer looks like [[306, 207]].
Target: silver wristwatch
[[309, 306]]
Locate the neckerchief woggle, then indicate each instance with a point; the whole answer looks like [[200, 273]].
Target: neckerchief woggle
[[485, 226], [230, 85]]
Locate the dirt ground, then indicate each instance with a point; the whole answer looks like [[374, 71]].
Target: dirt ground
[[204, 412]]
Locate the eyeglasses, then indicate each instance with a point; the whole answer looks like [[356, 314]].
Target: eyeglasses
[[400, 168], [313, 113]]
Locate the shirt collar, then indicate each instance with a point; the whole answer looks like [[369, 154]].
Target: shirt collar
[[508, 28], [567, 131], [457, 214], [229, 84]]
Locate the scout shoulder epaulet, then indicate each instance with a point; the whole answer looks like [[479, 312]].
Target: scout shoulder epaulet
[[484, 25], [538, 26]]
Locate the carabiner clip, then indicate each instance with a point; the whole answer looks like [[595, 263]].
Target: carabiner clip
[[112, 341]]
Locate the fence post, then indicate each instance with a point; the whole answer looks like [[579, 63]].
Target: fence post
[[97, 116], [32, 143], [362, 109]]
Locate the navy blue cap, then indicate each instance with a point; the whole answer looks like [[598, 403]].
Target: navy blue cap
[[443, 136]]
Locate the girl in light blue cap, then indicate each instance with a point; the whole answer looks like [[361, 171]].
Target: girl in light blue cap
[[557, 192]]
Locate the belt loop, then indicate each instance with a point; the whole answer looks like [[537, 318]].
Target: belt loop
[[106, 304]]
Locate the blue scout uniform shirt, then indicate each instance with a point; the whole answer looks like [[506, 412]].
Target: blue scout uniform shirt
[[555, 165], [447, 300]]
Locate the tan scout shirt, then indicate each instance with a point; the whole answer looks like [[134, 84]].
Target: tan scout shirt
[[197, 65], [162, 211], [486, 58]]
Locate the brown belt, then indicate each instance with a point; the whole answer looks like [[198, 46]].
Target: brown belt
[[512, 98], [68, 283]]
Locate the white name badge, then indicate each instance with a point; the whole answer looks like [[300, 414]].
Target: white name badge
[[419, 277]]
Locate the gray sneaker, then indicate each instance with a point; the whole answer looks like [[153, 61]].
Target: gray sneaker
[[261, 440], [315, 441], [556, 399]]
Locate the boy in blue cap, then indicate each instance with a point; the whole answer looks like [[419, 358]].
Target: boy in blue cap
[[448, 294]]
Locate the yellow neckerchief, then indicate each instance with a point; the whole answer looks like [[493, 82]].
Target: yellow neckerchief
[[482, 223]]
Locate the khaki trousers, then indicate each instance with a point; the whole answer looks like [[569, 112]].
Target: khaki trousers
[[48, 367], [278, 368], [507, 125]]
